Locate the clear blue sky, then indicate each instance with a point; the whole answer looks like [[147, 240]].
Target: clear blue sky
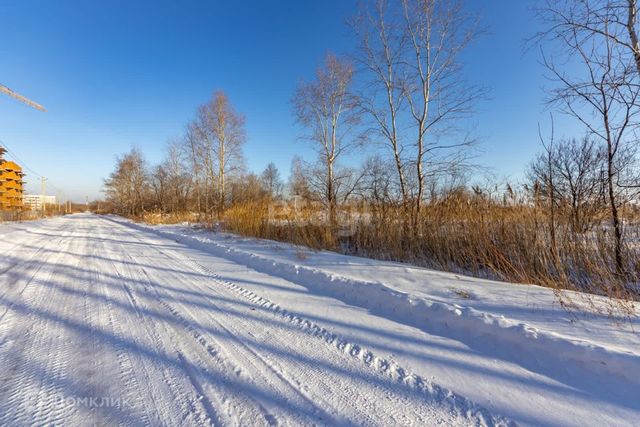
[[113, 74]]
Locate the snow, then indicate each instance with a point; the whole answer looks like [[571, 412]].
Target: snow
[[172, 325]]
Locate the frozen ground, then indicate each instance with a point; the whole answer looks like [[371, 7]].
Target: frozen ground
[[103, 321]]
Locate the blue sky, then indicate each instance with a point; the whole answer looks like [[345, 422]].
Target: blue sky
[[122, 73]]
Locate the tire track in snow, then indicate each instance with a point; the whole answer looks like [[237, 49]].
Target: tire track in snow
[[457, 405], [8, 248], [245, 359], [238, 404], [249, 361], [30, 267], [172, 391], [187, 347], [127, 369], [258, 366], [15, 253], [349, 397], [35, 386]]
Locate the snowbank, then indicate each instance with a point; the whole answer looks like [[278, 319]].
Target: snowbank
[[538, 345]]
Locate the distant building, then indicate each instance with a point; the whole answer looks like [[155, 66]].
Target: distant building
[[35, 201], [11, 185]]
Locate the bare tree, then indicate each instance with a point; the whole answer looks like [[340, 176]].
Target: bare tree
[[127, 186], [271, 180], [329, 110], [382, 45], [570, 174], [417, 95], [178, 179], [377, 182], [549, 183], [615, 20], [159, 182], [247, 188], [347, 182], [192, 150], [221, 134], [298, 181], [580, 166], [632, 31], [602, 95]]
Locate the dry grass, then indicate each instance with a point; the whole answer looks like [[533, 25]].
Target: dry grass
[[167, 218], [29, 215], [477, 237], [253, 219]]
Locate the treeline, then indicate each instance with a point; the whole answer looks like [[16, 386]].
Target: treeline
[[202, 172], [393, 172]]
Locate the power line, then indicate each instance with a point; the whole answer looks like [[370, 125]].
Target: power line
[[25, 166]]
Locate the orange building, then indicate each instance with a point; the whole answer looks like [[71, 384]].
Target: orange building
[[11, 185]]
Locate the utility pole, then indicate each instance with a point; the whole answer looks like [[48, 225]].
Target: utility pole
[[43, 182]]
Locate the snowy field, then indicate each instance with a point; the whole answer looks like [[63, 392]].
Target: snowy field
[[103, 321]]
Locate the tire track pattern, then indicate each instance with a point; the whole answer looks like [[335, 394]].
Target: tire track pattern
[[458, 406]]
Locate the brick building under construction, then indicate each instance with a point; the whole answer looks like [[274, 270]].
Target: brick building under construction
[[11, 184]]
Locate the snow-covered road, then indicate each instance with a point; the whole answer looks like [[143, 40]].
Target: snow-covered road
[[102, 323]]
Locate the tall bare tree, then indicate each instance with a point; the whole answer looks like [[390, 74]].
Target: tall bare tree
[[382, 44], [298, 183], [327, 107], [127, 187], [615, 20], [173, 178], [221, 136], [603, 93], [632, 31], [194, 153], [417, 94], [271, 180]]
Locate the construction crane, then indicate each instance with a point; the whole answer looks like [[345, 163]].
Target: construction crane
[[21, 98]]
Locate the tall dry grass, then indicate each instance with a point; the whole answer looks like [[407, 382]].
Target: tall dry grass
[[459, 233], [472, 236], [156, 218]]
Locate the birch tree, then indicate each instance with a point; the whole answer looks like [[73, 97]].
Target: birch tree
[[382, 44], [271, 181], [603, 89], [327, 108], [179, 180], [615, 20], [220, 134], [298, 184], [416, 93]]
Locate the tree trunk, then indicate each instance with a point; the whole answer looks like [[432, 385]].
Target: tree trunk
[[617, 226], [633, 36], [552, 206], [420, 176], [330, 195]]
